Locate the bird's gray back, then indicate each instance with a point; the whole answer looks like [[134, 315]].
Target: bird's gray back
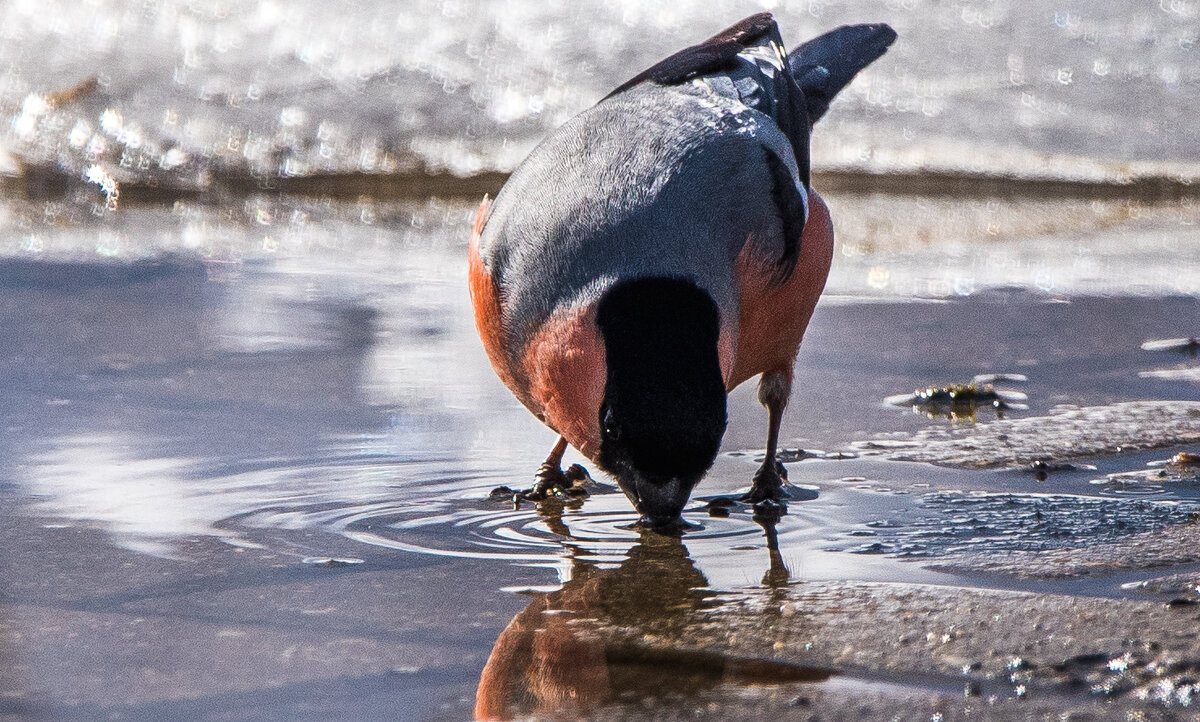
[[656, 181]]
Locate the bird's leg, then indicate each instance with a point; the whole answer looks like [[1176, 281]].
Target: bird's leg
[[550, 478], [774, 388], [549, 475], [550, 481]]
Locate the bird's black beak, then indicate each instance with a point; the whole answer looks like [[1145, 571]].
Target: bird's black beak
[[660, 502]]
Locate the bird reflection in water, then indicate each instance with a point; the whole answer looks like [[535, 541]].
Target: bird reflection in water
[[553, 659]]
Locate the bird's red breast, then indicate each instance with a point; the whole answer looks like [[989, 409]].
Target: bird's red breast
[[772, 315], [566, 369], [485, 298], [561, 372]]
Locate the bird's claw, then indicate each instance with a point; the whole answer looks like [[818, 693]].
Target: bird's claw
[[768, 497], [550, 482], [770, 492], [548, 479], [553, 481], [770, 483]]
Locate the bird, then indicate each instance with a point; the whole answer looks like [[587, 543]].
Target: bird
[[661, 248]]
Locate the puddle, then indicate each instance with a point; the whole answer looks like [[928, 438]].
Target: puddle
[[954, 522], [293, 447], [1178, 475]]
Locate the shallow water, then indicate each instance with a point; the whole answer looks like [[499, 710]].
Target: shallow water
[[270, 425]]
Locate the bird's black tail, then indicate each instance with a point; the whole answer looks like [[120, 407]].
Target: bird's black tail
[[826, 64]]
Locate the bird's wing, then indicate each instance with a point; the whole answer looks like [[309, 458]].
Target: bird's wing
[[710, 56], [747, 63]]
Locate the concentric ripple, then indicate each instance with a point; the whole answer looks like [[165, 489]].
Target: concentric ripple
[[317, 506], [599, 531]]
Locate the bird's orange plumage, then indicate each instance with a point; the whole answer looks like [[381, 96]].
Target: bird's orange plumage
[[773, 316], [561, 374], [485, 298]]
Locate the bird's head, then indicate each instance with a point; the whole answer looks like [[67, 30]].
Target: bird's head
[[663, 410]]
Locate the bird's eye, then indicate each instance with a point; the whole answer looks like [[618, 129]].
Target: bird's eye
[[611, 429]]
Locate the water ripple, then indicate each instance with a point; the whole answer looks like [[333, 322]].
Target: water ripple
[[600, 531]]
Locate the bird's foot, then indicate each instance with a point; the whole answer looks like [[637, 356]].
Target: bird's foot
[[550, 482], [770, 484], [770, 492], [768, 496]]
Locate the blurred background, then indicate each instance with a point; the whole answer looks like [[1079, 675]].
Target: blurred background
[[1070, 117], [188, 93]]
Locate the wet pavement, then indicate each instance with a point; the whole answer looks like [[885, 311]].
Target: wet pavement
[[248, 450]]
